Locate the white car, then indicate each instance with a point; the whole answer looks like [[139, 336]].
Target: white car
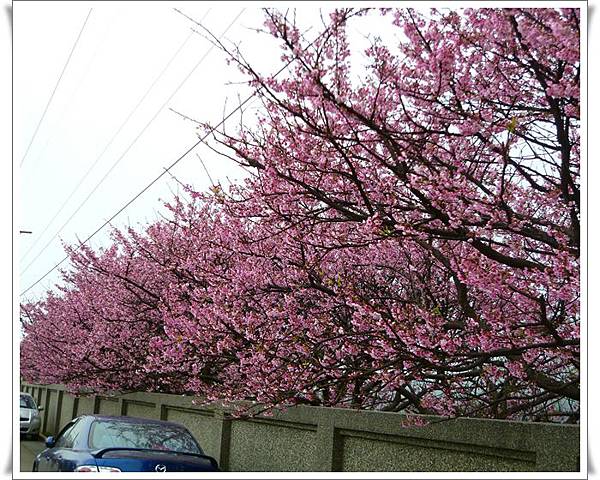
[[30, 416]]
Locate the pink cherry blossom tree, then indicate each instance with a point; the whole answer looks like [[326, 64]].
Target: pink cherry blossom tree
[[408, 239]]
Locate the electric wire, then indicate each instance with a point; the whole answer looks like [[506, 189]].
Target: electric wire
[[165, 169], [110, 142], [142, 131], [73, 94], [56, 87]]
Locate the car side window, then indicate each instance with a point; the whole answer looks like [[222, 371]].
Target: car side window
[[67, 436]]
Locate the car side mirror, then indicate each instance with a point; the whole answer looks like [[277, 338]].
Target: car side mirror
[[40, 409], [50, 441]]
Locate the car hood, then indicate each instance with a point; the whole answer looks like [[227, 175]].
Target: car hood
[[26, 412], [152, 461]]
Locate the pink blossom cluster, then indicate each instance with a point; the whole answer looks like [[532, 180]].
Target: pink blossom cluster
[[408, 239]]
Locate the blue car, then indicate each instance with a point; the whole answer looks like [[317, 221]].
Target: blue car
[[98, 443]]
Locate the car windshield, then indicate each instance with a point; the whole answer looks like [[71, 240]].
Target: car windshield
[[27, 402], [156, 436]]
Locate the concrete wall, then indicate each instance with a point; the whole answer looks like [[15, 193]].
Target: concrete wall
[[331, 439]]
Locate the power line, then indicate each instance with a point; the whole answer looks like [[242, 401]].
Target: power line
[[56, 86], [110, 142], [132, 143], [167, 169], [73, 93]]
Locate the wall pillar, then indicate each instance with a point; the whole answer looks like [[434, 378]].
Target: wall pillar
[[75, 407], [59, 401], [96, 408], [38, 395], [328, 458], [45, 427], [161, 411], [122, 407], [223, 435]]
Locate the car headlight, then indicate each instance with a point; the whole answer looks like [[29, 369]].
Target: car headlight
[[109, 469], [94, 468]]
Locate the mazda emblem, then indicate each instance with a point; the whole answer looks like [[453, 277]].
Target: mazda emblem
[[160, 468]]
